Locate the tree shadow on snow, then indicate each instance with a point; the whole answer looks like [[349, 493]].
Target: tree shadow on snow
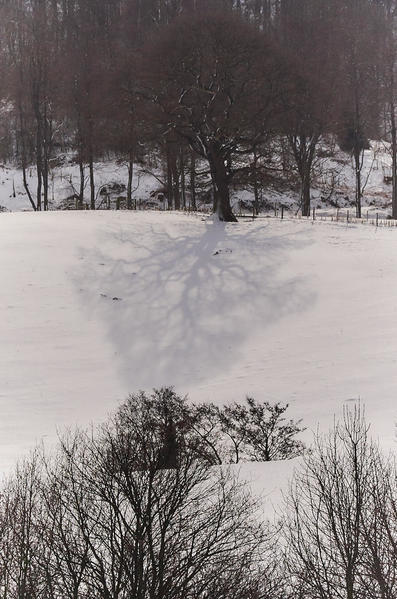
[[178, 310]]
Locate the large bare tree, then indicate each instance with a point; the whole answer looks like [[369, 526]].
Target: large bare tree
[[217, 83]]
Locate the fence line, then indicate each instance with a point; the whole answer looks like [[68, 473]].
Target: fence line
[[279, 212], [339, 217]]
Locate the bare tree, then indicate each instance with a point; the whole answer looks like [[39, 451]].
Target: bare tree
[[329, 502], [307, 32], [359, 72], [216, 82], [389, 63], [155, 532]]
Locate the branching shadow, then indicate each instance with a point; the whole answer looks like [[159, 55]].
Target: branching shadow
[[178, 302]]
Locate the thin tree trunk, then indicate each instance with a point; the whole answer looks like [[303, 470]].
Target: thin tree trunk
[[39, 185], [81, 190], [23, 154], [130, 177], [394, 158], [45, 183], [39, 168], [357, 168], [39, 143], [193, 203], [255, 183], [175, 182], [358, 149], [170, 189], [92, 183], [183, 180], [26, 186], [47, 135]]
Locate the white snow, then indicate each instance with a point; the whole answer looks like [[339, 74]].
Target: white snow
[[96, 305], [65, 180], [334, 172], [269, 483]]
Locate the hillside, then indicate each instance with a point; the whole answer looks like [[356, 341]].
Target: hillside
[[96, 305], [333, 184]]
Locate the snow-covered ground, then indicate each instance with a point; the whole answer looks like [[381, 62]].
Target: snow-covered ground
[[65, 181], [96, 305], [333, 183]]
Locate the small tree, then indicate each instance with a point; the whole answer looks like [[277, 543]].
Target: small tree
[[255, 431], [359, 107], [329, 504], [157, 425], [164, 429], [306, 29], [260, 431]]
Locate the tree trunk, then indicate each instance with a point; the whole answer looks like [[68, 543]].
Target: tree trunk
[[23, 154], [92, 183], [130, 177], [183, 181], [39, 168], [45, 183], [394, 158], [357, 168], [193, 203], [220, 182], [81, 190], [175, 185], [304, 150], [36, 103], [39, 184], [358, 146], [170, 189], [255, 184], [47, 138], [306, 185], [26, 186]]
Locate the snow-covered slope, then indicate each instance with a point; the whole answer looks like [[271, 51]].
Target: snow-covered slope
[[65, 181], [96, 305], [333, 183]]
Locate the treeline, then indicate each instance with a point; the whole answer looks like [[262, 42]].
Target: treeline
[[112, 513], [221, 83]]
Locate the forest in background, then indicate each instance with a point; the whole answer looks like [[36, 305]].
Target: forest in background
[[193, 84]]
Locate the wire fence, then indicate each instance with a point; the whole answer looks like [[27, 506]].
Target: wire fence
[[342, 216]]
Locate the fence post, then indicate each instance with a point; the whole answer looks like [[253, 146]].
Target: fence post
[[347, 216], [282, 211], [377, 219], [314, 213], [118, 204], [337, 214]]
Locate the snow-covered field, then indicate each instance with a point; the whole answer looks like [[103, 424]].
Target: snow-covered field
[[96, 305]]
